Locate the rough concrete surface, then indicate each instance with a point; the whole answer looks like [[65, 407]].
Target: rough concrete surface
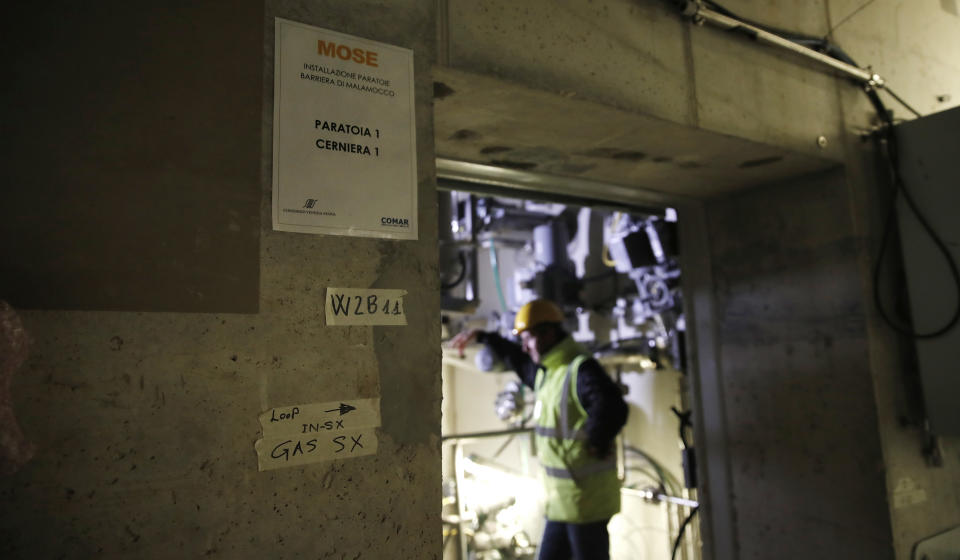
[[15, 449], [145, 422], [643, 57], [487, 120], [624, 54], [124, 189], [806, 461], [732, 86], [916, 47]]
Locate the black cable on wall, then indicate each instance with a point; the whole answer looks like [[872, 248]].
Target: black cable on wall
[[888, 138]]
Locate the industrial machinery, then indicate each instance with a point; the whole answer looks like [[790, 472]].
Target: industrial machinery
[[615, 273]]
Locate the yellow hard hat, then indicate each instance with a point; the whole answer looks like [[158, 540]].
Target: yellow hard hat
[[536, 312]]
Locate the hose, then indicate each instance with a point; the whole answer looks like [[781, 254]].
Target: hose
[[496, 276]]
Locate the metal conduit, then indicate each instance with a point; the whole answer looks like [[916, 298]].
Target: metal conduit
[[654, 496], [701, 14]]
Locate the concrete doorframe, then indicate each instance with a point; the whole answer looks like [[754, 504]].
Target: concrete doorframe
[[718, 522]]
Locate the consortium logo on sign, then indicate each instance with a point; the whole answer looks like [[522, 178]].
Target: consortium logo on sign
[[394, 222]]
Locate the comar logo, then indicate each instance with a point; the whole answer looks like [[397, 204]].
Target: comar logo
[[394, 222], [310, 203]]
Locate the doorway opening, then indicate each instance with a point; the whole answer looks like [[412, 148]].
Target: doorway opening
[[614, 270]]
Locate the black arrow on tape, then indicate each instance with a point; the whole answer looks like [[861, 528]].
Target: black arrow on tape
[[343, 408]]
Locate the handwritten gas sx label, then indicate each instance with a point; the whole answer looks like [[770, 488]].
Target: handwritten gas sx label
[[310, 433]]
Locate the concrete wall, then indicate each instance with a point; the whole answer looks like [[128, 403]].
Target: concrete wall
[[145, 421], [139, 466], [917, 47], [806, 463], [813, 239], [641, 57]]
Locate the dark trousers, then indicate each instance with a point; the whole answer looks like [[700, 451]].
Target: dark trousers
[[575, 541]]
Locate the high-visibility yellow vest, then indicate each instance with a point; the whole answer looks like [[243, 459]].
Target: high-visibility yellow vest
[[579, 488]]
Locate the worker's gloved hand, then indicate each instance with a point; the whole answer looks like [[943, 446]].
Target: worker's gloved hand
[[602, 451], [463, 339]]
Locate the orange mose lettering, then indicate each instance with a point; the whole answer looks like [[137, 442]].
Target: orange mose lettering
[[344, 52], [325, 48]]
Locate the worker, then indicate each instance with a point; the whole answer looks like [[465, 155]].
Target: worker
[[578, 413]]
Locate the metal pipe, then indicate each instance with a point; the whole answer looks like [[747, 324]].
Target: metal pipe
[[700, 14], [655, 496], [461, 507], [473, 177], [460, 438], [621, 444]]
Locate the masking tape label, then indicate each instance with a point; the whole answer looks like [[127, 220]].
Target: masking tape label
[[310, 433], [293, 451], [365, 306]]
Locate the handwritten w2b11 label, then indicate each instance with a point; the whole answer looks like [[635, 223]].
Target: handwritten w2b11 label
[[365, 306], [311, 433]]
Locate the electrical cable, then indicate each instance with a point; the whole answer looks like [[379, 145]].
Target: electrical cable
[[684, 418], [683, 527], [794, 36], [902, 102], [899, 186], [651, 475], [849, 16], [667, 479]]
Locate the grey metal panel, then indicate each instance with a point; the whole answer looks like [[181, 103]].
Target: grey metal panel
[[943, 546], [929, 154]]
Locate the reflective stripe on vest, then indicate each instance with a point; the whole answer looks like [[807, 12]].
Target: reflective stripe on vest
[[586, 470], [565, 431], [580, 488], [579, 435]]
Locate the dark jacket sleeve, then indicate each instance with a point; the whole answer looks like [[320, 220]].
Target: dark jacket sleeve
[[512, 355], [603, 401]]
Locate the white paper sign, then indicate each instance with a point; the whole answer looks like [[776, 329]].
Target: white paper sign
[[344, 135]]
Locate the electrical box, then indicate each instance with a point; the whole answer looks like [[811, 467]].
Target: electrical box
[[929, 154]]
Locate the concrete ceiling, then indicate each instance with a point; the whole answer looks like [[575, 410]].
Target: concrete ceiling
[[486, 120]]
